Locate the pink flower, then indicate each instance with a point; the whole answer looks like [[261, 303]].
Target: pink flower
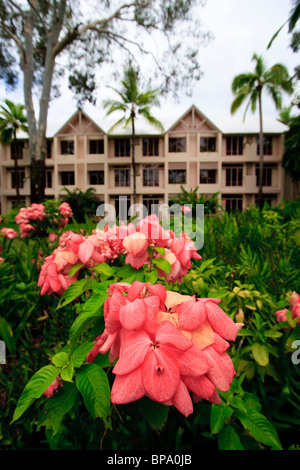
[[9, 232], [52, 237], [54, 386], [186, 209], [296, 310], [65, 210], [25, 229], [1, 259], [170, 347], [154, 232], [293, 298], [281, 315]]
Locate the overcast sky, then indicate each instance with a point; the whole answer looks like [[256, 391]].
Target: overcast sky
[[240, 28]]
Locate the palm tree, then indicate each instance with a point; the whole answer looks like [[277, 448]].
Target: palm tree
[[133, 102], [250, 86], [12, 119]]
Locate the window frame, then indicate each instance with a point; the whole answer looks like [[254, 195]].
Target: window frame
[[177, 144]]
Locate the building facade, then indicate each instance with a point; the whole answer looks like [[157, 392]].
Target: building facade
[[193, 153]]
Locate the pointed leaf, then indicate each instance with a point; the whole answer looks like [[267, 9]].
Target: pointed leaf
[[36, 386], [93, 385]]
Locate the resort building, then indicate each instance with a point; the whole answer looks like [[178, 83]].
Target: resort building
[[193, 153]]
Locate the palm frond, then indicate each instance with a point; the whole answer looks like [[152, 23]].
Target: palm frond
[[238, 101], [295, 15], [117, 124]]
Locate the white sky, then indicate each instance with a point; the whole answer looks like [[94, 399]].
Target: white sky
[[240, 28]]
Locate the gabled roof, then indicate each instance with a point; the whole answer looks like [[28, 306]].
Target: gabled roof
[[79, 113], [192, 109]]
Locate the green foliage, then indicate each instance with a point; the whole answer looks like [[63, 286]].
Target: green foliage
[[212, 204], [290, 158], [250, 262], [82, 203]]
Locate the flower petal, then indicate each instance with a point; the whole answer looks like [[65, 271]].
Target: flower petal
[[127, 388], [152, 304], [192, 362], [168, 335], [85, 251], [221, 322], [182, 400], [133, 314], [191, 315], [160, 375], [135, 346], [203, 336], [221, 370], [201, 386]]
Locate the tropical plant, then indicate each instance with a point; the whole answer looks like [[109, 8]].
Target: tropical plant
[[82, 203], [133, 102], [12, 120], [291, 155], [250, 86]]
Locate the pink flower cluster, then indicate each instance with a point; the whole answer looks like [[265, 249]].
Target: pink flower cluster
[[28, 217], [170, 347], [149, 233], [9, 232], [294, 304], [75, 248]]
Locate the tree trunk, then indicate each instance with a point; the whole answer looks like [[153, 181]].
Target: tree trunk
[[37, 180], [37, 129], [133, 155], [16, 167], [261, 153]]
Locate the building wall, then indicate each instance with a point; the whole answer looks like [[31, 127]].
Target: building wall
[[84, 156]]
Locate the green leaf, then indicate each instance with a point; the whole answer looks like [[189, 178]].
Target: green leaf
[[159, 250], [151, 276], [260, 353], [74, 269], [60, 359], [80, 353], [36, 386], [6, 335], [74, 291], [228, 439], [205, 264], [155, 414], [59, 405], [273, 334], [90, 313], [260, 428], [67, 373], [93, 385], [218, 416], [104, 268], [162, 264]]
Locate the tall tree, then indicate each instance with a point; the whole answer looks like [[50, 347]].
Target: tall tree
[[291, 23], [291, 154], [250, 86], [52, 36], [132, 103], [12, 120]]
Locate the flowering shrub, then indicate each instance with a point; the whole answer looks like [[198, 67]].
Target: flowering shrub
[[9, 232], [38, 217], [146, 245], [167, 346], [293, 311]]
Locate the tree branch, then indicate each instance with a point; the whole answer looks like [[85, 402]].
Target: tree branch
[[78, 31]]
